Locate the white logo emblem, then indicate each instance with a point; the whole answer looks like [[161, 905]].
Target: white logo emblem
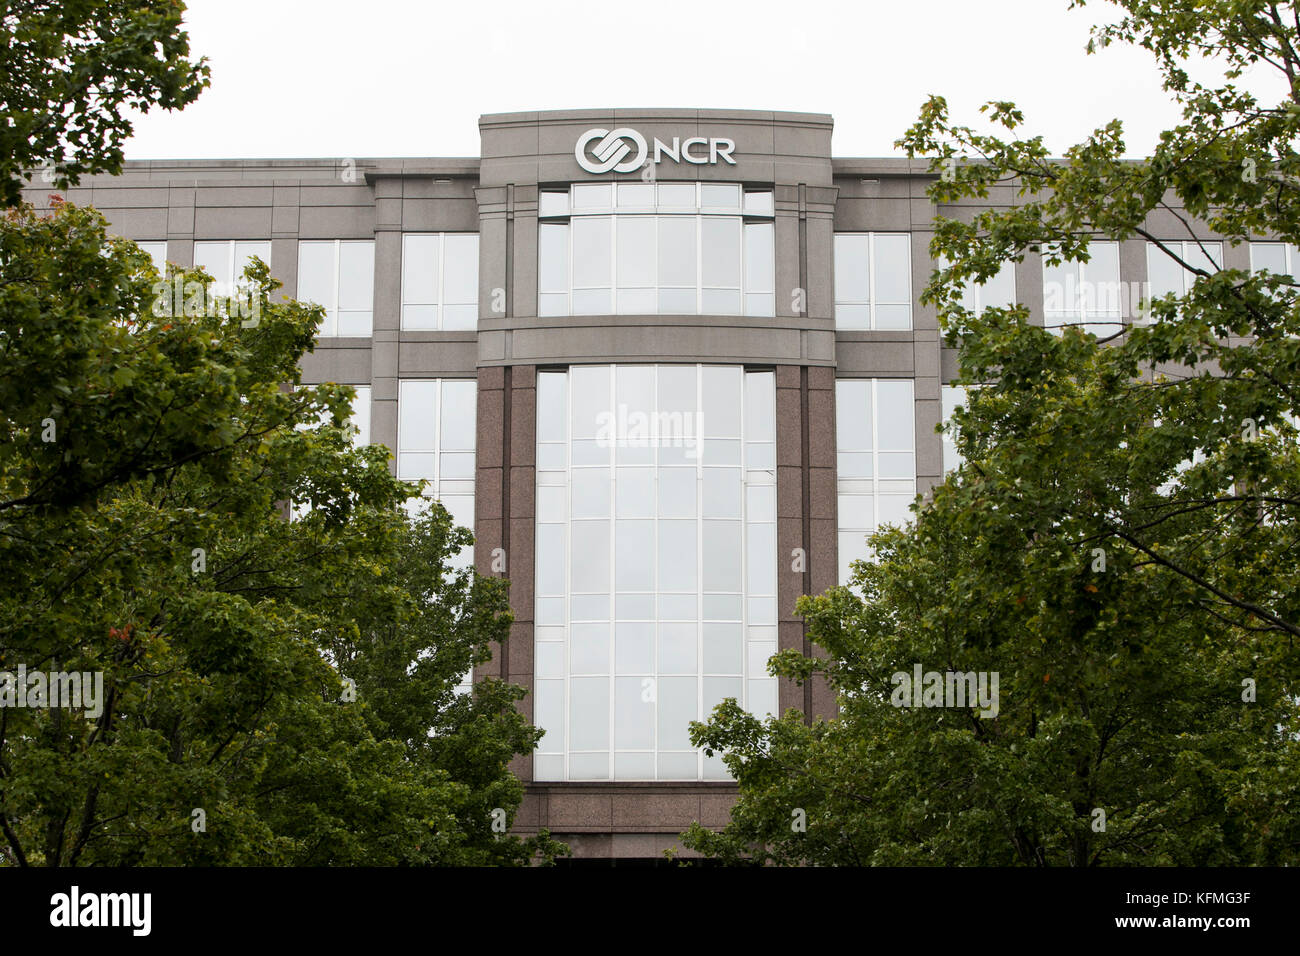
[[611, 151]]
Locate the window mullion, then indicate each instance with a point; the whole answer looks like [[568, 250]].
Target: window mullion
[[699, 262], [699, 569], [568, 572], [441, 293], [338, 282], [871, 279], [611, 602]]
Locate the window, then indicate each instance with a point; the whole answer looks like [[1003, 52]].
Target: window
[[157, 252], [1279, 258], [226, 260], [999, 292], [952, 397], [656, 564], [340, 275], [436, 439], [440, 281], [876, 460], [1086, 294], [359, 421], [436, 442], [1165, 276], [656, 249], [873, 280]]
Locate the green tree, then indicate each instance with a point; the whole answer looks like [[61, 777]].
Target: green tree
[[69, 72], [292, 681], [1120, 544]]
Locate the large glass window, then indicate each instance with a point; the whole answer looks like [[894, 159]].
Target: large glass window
[[157, 250], [440, 281], [999, 292], [873, 280], [358, 420], [436, 422], [339, 274], [952, 398], [1085, 294], [1280, 258], [1166, 276], [651, 249], [876, 460], [225, 260], [656, 564]]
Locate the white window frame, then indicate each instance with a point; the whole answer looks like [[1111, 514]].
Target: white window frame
[[358, 419], [329, 327], [872, 300], [157, 250], [438, 485], [875, 487], [758, 640], [951, 398], [744, 214], [441, 266], [1291, 256], [1183, 249], [1097, 321], [973, 292], [232, 246]]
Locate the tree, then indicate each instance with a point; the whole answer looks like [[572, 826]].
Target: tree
[[1120, 545], [68, 72], [273, 691]]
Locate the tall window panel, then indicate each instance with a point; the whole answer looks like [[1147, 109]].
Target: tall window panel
[[359, 420], [873, 280], [1085, 294], [876, 460], [1165, 276], [652, 249], [440, 281], [339, 274], [157, 250], [952, 398], [999, 292], [436, 422], [226, 259], [1280, 258], [656, 564]]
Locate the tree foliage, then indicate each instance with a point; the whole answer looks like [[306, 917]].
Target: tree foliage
[[1121, 543], [293, 681], [69, 72]]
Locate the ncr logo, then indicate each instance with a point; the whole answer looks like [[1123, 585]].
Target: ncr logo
[[624, 150]]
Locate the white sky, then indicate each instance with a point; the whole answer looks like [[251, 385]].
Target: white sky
[[324, 78]]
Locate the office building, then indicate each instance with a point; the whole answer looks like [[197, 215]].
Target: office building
[[670, 365]]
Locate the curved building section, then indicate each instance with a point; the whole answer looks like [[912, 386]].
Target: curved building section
[[555, 215], [659, 346]]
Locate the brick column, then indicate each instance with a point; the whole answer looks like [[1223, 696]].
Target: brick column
[[806, 512], [503, 516]]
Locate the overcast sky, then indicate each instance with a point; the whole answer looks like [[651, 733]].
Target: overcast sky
[[369, 78]]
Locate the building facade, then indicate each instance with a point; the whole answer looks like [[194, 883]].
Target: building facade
[[670, 365]]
